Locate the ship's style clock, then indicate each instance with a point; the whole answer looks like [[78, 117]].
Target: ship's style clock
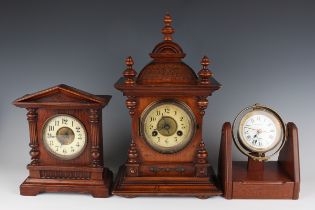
[[66, 142], [167, 102], [260, 133]]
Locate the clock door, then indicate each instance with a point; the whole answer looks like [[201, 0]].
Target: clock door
[[168, 126]]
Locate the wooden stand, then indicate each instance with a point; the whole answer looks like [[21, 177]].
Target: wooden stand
[[260, 180]]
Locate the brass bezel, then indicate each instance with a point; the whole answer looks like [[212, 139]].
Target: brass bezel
[[184, 143], [254, 153], [55, 155]]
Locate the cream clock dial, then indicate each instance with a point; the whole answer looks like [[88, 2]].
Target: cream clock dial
[[168, 126], [64, 136], [260, 130]]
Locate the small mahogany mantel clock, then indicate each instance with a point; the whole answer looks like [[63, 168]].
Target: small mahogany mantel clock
[[65, 127], [167, 102]]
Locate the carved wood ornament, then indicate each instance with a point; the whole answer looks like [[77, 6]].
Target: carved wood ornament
[[85, 172], [152, 172]]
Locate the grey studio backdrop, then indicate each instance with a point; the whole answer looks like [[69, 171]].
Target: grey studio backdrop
[[261, 51]]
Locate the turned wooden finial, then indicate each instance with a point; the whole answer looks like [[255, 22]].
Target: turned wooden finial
[[129, 73], [205, 73], [132, 153], [167, 30], [202, 153]]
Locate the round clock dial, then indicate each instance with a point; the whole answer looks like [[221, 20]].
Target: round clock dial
[[168, 126], [260, 130], [64, 136]]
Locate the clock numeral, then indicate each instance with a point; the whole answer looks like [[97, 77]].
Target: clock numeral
[[158, 113], [166, 141], [51, 143], [78, 129], [51, 128], [64, 121], [72, 149], [57, 148], [158, 139], [72, 123], [167, 110], [175, 138], [49, 135], [56, 123], [78, 144], [64, 151], [181, 118], [175, 112], [152, 119], [150, 127]]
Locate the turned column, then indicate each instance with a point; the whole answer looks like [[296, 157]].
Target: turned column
[[32, 121], [95, 148]]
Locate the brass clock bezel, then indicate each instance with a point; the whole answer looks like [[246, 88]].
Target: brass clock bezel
[[51, 152], [184, 143], [252, 152], [272, 117]]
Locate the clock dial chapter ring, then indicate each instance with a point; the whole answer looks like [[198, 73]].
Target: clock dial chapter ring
[[259, 132], [167, 125], [64, 136]]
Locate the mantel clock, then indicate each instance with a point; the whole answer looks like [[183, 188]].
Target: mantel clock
[[65, 126], [167, 102]]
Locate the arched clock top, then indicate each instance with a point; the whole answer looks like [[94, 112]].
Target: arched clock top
[[166, 73]]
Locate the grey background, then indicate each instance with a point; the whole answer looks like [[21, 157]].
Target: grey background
[[262, 51]]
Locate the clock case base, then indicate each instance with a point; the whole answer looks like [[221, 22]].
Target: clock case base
[[99, 187], [200, 187], [260, 180]]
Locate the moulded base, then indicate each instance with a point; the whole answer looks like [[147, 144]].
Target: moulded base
[[97, 188], [200, 187]]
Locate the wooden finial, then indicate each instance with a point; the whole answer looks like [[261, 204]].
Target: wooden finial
[[129, 73], [132, 153], [205, 73], [202, 153], [167, 30]]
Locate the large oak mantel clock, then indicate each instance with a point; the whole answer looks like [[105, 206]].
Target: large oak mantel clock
[[66, 142], [167, 102]]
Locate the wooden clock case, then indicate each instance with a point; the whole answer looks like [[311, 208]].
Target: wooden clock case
[[255, 179], [148, 172], [48, 173]]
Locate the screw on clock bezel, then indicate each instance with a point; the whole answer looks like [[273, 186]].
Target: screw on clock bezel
[[249, 151], [178, 147], [59, 156]]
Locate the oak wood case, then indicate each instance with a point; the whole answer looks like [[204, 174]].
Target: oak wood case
[[49, 173], [151, 173]]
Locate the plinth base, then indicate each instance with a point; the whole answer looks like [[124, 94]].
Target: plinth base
[[200, 187]]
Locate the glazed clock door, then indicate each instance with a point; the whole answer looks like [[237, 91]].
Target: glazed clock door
[[168, 126], [64, 136]]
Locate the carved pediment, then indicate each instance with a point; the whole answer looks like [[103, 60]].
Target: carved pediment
[[62, 96]]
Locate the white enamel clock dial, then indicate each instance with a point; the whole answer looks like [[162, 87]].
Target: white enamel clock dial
[[64, 136], [168, 126], [260, 131]]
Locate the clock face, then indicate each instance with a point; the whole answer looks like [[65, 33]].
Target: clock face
[[168, 126], [64, 136], [260, 131]]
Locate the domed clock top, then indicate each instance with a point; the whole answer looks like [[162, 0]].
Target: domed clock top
[[167, 71]]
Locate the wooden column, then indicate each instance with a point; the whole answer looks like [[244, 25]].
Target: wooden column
[[32, 121], [95, 149]]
